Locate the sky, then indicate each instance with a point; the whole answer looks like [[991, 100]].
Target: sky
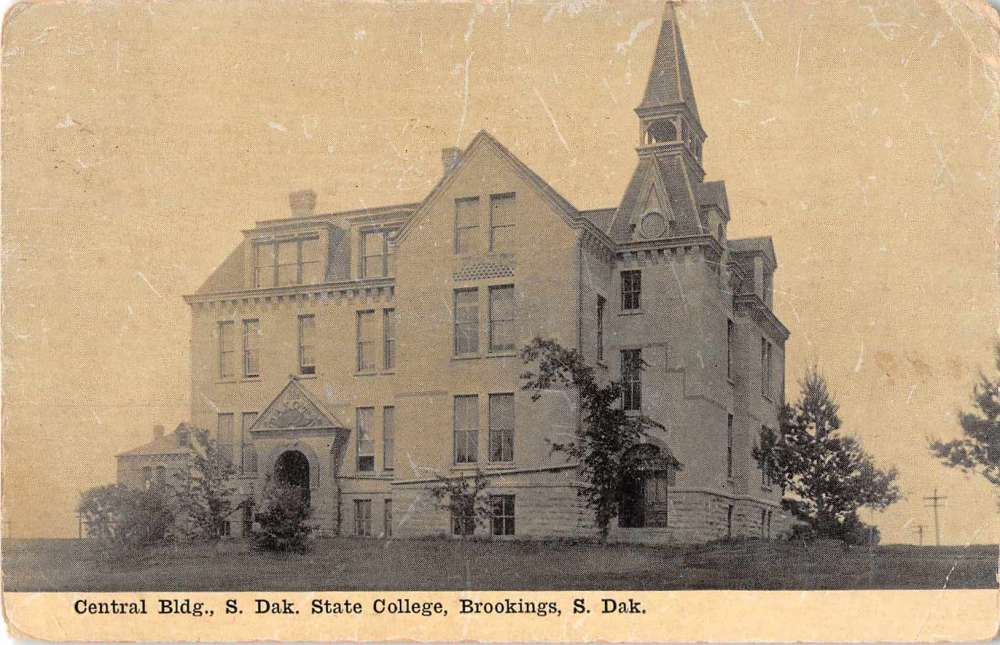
[[140, 139]]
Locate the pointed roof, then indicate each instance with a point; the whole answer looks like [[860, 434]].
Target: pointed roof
[[296, 408], [168, 444], [670, 180], [669, 81]]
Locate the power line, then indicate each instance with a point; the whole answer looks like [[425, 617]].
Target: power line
[[935, 502]]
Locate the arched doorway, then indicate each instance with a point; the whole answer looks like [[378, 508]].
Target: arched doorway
[[292, 469], [643, 499]]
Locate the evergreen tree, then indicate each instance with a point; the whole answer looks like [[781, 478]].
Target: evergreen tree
[[829, 475], [978, 451], [282, 524], [602, 442]]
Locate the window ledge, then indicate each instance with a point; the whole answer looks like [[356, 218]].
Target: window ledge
[[630, 312], [507, 353], [225, 381], [465, 467], [250, 379], [365, 373], [306, 376], [465, 357], [388, 372]]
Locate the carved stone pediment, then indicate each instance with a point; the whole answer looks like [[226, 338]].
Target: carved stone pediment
[[294, 409]]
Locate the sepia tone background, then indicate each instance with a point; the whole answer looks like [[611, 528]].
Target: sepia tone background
[[139, 139]]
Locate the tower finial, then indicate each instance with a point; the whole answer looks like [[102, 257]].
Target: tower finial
[[669, 81]]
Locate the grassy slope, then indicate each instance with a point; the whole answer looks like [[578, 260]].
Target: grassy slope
[[348, 564]]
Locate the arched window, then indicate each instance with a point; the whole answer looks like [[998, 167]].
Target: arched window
[[663, 131]]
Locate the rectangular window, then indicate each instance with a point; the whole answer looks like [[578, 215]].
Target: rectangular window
[[248, 456], [729, 447], [765, 368], [501, 427], [632, 379], [466, 321], [373, 254], [463, 515], [389, 319], [631, 290], [763, 523], [600, 327], [366, 341], [224, 436], [227, 352], [730, 342], [502, 517], [363, 517], [307, 344], [765, 463], [388, 437], [288, 263], [466, 224], [387, 518], [466, 429], [502, 318], [251, 348], [729, 521], [279, 263], [366, 445], [502, 222], [263, 265], [311, 261]]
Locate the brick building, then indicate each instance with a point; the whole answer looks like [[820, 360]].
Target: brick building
[[361, 354]]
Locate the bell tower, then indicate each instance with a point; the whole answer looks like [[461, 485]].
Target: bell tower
[[668, 114]]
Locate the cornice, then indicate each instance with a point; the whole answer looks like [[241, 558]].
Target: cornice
[[376, 286], [761, 314]]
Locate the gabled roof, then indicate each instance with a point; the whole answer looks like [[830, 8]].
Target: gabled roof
[[671, 175], [483, 138], [752, 245], [165, 445], [295, 408], [669, 80]]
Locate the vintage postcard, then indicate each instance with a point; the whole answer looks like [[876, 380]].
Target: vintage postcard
[[568, 320]]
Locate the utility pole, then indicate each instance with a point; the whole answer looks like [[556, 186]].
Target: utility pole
[[920, 534], [935, 502]]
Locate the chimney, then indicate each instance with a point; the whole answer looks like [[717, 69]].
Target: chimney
[[157, 432], [450, 158], [302, 202]]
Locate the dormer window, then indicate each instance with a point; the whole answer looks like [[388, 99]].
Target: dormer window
[[377, 254], [285, 262], [662, 131]]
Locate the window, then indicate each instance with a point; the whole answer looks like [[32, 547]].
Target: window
[[763, 523], [366, 445], [251, 351], [631, 379], [466, 429], [466, 224], [769, 523], [224, 437], [226, 350], [502, 222], [363, 517], [502, 517], [387, 518], [147, 477], [466, 321], [307, 332], [388, 437], [377, 256], [729, 447], [730, 342], [631, 290], [729, 521], [389, 338], [502, 318], [765, 368], [765, 464], [279, 263], [501, 427], [248, 455], [366, 341], [463, 515], [600, 327]]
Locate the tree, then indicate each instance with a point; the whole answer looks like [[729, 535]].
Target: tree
[[282, 524], [602, 441], [122, 518], [463, 499], [829, 474], [204, 489], [978, 451]]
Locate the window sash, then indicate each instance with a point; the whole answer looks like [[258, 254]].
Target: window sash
[[729, 447], [501, 318], [363, 517], [466, 321], [366, 341], [224, 435], [631, 282], [389, 338], [466, 429], [463, 517], [226, 350], [251, 357], [502, 222], [307, 332], [501, 429], [502, 516], [388, 437], [601, 303], [466, 223], [248, 454], [631, 367], [373, 254], [365, 442], [387, 517]]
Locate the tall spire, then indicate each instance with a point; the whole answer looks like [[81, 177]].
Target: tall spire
[[669, 83]]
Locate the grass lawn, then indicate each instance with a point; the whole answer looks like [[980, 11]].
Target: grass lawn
[[354, 564]]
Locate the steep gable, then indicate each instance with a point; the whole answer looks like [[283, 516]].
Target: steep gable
[[295, 408]]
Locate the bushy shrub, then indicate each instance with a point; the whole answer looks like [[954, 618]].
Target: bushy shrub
[[122, 518], [282, 523]]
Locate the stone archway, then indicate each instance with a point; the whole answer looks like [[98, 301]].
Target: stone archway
[[643, 500], [292, 469]]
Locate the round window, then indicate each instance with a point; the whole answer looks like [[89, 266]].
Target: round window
[[653, 225]]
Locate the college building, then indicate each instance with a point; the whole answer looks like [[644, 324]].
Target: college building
[[363, 355]]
